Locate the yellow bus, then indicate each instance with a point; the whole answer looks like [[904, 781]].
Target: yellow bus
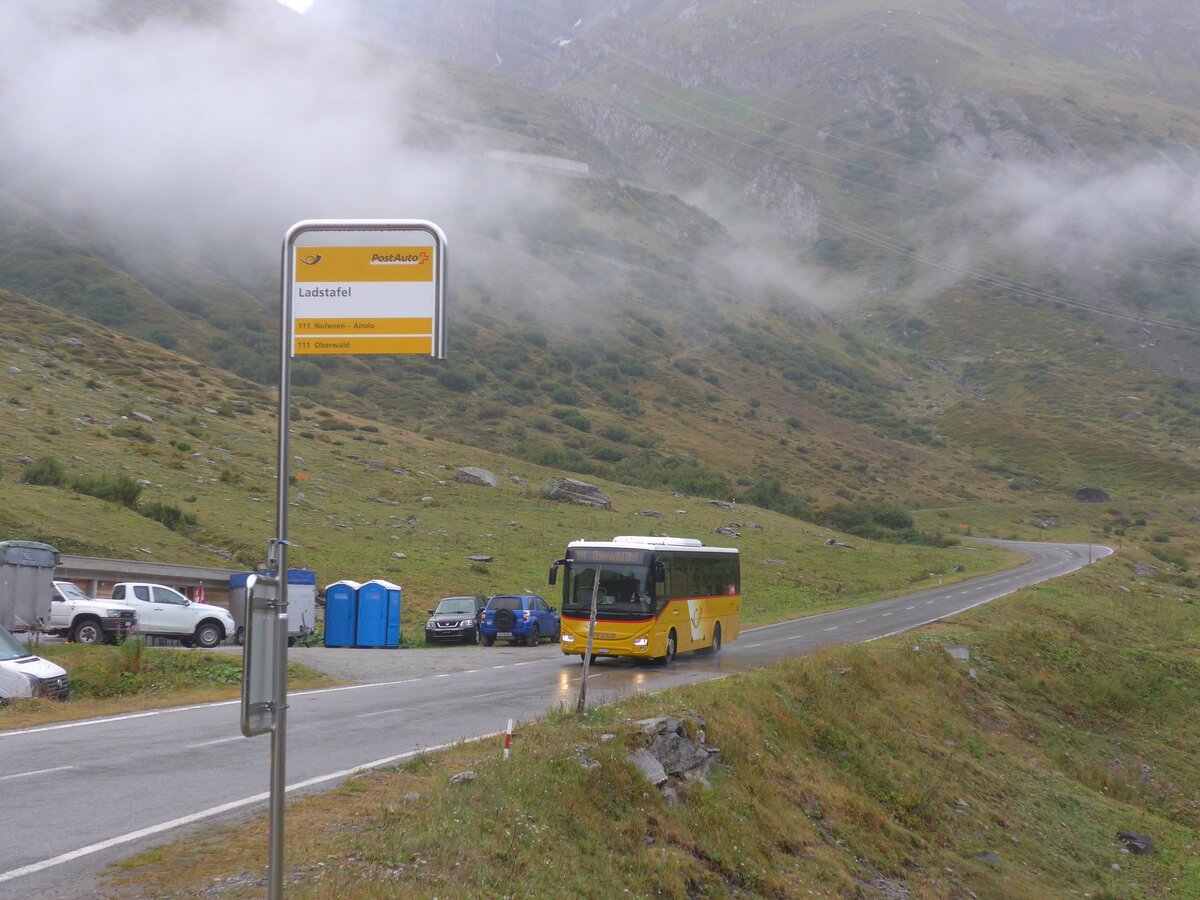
[[657, 596]]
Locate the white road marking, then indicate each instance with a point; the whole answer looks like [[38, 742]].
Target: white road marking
[[35, 772], [380, 712], [125, 718], [152, 830], [239, 737]]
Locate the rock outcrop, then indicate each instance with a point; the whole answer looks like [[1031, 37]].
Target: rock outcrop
[[570, 490]]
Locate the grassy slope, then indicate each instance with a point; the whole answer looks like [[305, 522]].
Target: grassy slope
[[361, 489], [887, 767]]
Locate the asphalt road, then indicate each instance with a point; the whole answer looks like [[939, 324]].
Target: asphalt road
[[78, 795]]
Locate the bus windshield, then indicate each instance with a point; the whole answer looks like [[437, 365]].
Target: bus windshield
[[625, 591]]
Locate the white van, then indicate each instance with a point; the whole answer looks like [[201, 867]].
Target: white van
[[24, 675]]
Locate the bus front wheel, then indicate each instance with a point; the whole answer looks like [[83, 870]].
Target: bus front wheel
[[669, 656], [716, 642]]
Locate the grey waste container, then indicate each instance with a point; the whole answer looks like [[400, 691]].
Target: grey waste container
[[26, 584]]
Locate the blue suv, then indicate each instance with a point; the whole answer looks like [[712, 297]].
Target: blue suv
[[519, 618]]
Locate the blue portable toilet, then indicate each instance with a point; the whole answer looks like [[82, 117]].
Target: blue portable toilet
[[341, 613], [378, 614]]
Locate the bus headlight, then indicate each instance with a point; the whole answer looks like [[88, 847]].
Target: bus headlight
[[640, 642], [567, 638]]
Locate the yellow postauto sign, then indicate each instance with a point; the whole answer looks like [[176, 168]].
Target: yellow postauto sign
[[381, 298], [352, 264]]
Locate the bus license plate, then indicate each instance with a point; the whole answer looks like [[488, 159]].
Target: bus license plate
[[503, 634], [600, 651]]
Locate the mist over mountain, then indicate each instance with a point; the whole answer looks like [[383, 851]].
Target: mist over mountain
[[929, 251], [497, 35]]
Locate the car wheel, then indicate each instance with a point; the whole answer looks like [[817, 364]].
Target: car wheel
[[488, 640], [505, 620], [87, 631], [239, 636], [208, 634], [535, 635]]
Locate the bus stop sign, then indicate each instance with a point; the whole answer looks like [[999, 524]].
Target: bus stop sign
[[366, 286]]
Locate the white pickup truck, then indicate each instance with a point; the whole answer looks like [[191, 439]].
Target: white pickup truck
[[85, 620], [163, 611]]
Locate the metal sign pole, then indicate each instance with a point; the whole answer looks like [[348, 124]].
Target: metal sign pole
[[587, 655], [367, 286], [277, 557]]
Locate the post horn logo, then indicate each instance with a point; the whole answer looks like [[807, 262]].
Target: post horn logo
[[311, 259]]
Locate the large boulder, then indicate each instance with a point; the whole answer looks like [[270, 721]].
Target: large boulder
[[473, 475], [1092, 495], [569, 490]]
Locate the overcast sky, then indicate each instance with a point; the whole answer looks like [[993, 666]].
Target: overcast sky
[[242, 126]]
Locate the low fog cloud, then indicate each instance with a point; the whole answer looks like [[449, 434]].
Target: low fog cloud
[[237, 119], [1149, 202]]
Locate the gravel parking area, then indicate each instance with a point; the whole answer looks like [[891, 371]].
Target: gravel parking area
[[362, 664]]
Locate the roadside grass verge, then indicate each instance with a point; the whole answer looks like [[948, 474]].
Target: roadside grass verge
[[107, 680], [866, 771]]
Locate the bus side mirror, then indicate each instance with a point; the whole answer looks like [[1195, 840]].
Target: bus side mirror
[[660, 573], [554, 570]]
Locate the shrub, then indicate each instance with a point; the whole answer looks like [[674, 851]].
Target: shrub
[[171, 516], [1174, 559], [45, 471], [875, 521], [574, 418], [564, 394], [135, 431], [770, 494], [114, 488], [306, 374], [455, 381], [618, 433]]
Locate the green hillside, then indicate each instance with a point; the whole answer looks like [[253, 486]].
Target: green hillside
[[786, 280]]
